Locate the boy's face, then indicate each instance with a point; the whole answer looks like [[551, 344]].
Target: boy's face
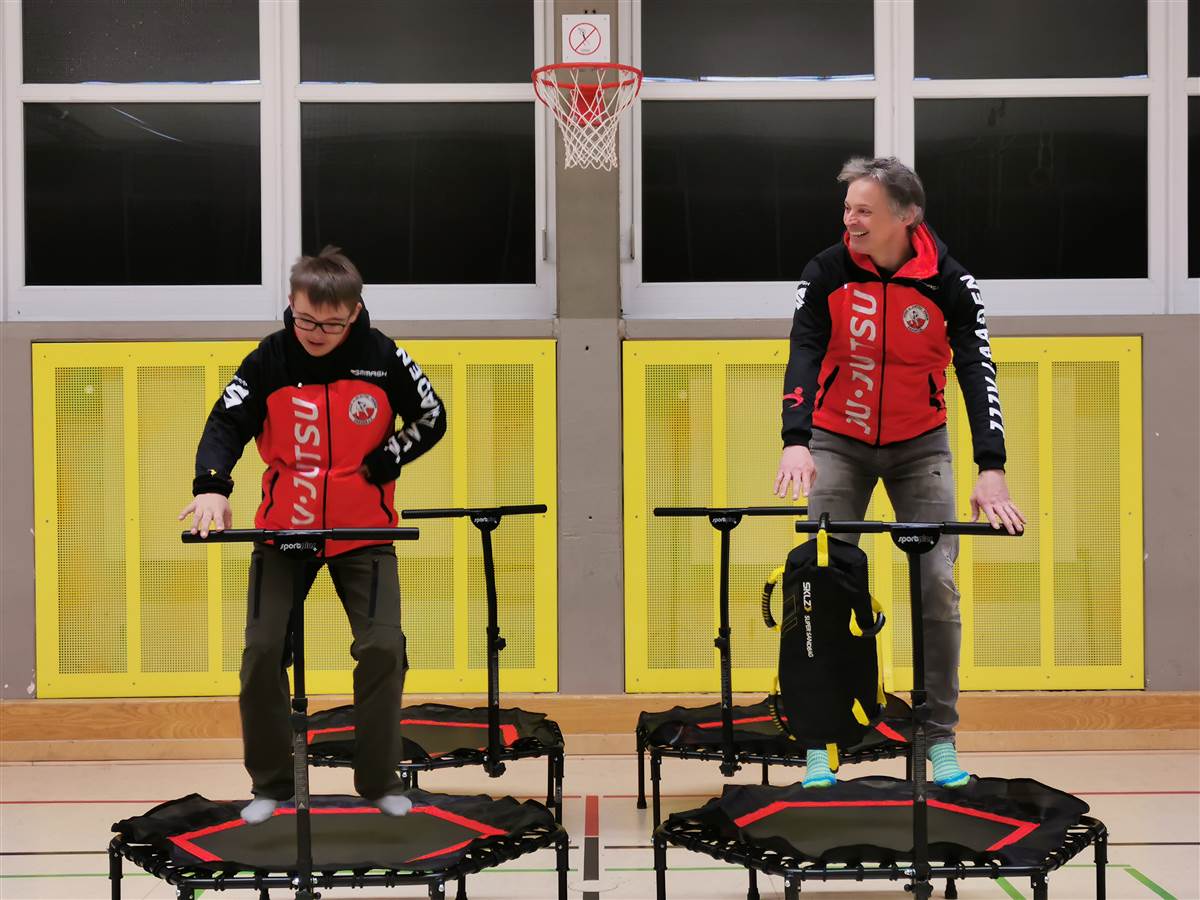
[[321, 329]]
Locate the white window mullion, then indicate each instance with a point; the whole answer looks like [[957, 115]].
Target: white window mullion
[[885, 78], [4, 152], [216, 92], [289, 81], [1157, 145], [1183, 292], [966, 88], [270, 162], [903, 66]]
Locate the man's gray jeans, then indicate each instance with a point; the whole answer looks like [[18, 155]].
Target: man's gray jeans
[[919, 480]]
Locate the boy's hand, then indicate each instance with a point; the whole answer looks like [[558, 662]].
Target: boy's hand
[[211, 511]]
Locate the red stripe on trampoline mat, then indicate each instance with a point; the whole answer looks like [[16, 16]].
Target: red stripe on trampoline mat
[[507, 732], [779, 805], [1021, 827], [751, 721], [441, 852], [184, 841], [446, 815]]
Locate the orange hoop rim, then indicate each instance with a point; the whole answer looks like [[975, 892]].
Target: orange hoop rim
[[541, 71]]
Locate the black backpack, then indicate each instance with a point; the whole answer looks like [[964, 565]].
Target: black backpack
[[829, 692]]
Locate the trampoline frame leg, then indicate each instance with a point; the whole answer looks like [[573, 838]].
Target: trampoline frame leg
[[1101, 862], [752, 889], [791, 888], [1041, 890], [951, 889], [641, 753], [437, 889], [656, 786], [555, 772], [766, 776], [115, 867], [660, 867], [562, 853], [183, 892], [462, 888]]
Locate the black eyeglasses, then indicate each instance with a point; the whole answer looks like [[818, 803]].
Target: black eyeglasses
[[306, 324]]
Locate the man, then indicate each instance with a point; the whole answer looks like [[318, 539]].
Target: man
[[321, 397], [878, 317]]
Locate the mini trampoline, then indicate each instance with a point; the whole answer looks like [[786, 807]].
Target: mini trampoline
[[884, 828], [747, 735], [199, 844], [325, 842], [439, 736]]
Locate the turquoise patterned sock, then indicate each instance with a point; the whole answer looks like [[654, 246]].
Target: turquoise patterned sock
[[817, 773], [946, 770]]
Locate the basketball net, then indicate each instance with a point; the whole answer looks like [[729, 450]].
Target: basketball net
[[587, 99]]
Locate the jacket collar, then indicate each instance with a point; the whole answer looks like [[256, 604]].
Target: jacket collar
[[924, 264]]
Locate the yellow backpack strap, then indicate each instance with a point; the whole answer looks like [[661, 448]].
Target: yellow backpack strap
[[823, 548], [860, 715], [831, 749], [768, 588]]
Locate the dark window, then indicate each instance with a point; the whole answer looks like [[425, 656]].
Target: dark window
[[1037, 188], [1193, 222], [1029, 38], [418, 41], [72, 41], [142, 193], [422, 193], [744, 191], [757, 38]]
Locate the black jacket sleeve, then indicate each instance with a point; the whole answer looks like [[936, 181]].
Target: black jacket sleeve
[[424, 415], [811, 326], [236, 418], [966, 329]]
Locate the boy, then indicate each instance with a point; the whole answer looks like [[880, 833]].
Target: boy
[[320, 397]]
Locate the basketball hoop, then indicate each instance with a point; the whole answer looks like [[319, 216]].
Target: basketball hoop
[[587, 99]]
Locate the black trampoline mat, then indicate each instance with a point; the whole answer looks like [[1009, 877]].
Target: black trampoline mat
[[337, 835], [433, 737], [814, 827]]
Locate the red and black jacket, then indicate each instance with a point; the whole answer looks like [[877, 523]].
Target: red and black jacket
[[317, 421], [869, 350]]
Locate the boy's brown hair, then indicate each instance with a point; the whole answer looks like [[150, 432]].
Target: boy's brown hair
[[328, 279]]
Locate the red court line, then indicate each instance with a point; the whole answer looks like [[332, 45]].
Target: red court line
[[1076, 793], [591, 816]]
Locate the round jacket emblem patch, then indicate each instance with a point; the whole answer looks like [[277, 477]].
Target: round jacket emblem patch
[[916, 318], [363, 409]]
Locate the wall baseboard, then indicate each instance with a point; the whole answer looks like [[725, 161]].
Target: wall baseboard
[[208, 727]]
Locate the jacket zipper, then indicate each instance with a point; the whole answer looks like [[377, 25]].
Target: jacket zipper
[[882, 364], [329, 461]]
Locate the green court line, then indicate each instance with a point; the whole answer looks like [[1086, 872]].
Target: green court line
[[1162, 892], [1009, 889]]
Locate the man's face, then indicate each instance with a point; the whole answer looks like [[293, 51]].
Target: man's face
[[321, 329], [873, 227]]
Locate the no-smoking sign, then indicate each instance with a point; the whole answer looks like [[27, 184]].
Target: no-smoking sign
[[585, 39]]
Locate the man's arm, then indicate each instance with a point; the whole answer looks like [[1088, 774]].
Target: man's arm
[[811, 327], [413, 397], [966, 328], [809, 340]]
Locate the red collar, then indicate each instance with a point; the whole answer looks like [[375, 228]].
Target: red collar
[[922, 265]]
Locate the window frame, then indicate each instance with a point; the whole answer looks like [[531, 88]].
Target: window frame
[[279, 94], [895, 91]]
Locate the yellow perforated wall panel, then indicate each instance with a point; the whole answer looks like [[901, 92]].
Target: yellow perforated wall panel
[[1059, 608], [125, 609]]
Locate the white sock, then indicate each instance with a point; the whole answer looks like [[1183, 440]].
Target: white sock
[[394, 804], [259, 810]]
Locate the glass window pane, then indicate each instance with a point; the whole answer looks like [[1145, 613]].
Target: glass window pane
[[757, 38], [73, 41], [416, 41], [422, 193], [1037, 188], [744, 191], [142, 193], [1193, 223], [1029, 38]]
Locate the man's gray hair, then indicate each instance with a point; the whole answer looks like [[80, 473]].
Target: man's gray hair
[[903, 186]]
